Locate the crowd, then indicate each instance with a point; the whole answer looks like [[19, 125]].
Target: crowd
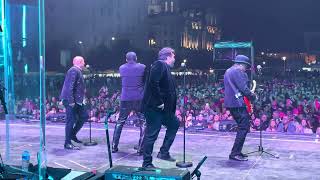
[[290, 106]]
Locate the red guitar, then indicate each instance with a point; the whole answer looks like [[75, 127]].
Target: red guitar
[[246, 99]]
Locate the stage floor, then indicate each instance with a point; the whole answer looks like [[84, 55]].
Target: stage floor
[[299, 154]]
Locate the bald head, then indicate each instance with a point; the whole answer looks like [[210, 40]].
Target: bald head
[[79, 61], [131, 56]]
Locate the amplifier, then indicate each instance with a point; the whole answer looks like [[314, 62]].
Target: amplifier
[[133, 173]]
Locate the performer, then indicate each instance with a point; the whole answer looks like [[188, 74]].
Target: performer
[[236, 86], [132, 76], [159, 106], [72, 96]]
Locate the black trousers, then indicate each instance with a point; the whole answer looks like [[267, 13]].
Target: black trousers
[[242, 118], [125, 108], [76, 116], [154, 121]]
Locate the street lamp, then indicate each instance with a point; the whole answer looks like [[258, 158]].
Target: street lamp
[[284, 58], [81, 46]]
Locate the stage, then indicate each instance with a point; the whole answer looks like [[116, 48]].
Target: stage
[[299, 154]]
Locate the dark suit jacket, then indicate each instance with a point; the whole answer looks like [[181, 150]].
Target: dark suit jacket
[[160, 88], [236, 81], [132, 75], [73, 87]]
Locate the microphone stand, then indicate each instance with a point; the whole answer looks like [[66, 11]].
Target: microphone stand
[[90, 143], [110, 111], [260, 147], [106, 125], [184, 164]]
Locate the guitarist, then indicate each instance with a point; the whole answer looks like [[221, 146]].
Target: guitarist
[[236, 88]]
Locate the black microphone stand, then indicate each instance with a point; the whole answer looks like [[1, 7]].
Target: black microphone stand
[[106, 125], [90, 143], [260, 147], [184, 164], [110, 111]]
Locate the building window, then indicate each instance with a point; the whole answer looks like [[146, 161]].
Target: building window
[[165, 42], [166, 6], [102, 12], [152, 42], [172, 43], [171, 5]]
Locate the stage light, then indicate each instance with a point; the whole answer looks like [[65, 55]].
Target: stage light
[[26, 69], [113, 38], [24, 31]]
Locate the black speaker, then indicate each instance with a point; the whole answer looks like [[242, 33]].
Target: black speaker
[[228, 126], [128, 173]]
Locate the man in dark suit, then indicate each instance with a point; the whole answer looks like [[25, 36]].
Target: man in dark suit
[[159, 106], [132, 77], [72, 96], [236, 86]]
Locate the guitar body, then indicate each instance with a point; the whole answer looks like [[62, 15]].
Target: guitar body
[[248, 105], [246, 99]]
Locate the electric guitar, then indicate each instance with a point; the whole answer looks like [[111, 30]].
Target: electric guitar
[[246, 99]]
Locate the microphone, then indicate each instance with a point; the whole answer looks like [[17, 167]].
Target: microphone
[[88, 68], [259, 67]]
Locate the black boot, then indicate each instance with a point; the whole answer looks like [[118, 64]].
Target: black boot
[[114, 148], [116, 137]]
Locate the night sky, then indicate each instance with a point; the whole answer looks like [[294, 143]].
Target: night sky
[[277, 25]]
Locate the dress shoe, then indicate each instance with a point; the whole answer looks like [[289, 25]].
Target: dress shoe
[[243, 155], [238, 158], [114, 149], [71, 147], [150, 166], [136, 147], [165, 157], [75, 139]]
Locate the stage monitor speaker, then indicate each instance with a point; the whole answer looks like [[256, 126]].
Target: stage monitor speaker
[[131, 173], [227, 126]]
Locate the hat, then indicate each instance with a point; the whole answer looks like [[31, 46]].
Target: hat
[[242, 59]]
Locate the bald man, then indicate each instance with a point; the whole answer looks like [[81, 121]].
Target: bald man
[[72, 96]]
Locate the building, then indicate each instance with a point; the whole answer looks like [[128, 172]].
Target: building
[[181, 25]]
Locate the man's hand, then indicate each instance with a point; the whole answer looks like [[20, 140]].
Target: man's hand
[[255, 96], [161, 106], [85, 101]]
